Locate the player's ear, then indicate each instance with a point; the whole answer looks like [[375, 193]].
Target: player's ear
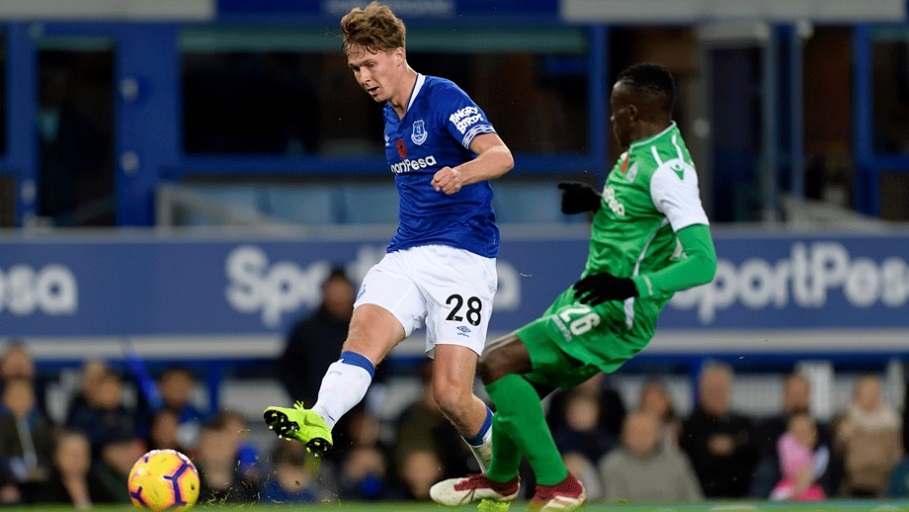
[[632, 112]]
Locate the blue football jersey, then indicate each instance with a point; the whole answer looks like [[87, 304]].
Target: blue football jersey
[[437, 130]]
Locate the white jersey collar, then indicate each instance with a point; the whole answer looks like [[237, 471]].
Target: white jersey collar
[[652, 137], [416, 90]]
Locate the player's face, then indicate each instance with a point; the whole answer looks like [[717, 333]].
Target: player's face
[[623, 114], [378, 72]]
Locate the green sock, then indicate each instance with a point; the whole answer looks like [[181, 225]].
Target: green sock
[[519, 415], [506, 455]]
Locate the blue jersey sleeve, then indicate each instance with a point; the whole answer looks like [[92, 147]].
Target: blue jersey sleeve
[[463, 119]]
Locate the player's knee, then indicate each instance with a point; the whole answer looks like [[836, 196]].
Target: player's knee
[[453, 402], [490, 367]]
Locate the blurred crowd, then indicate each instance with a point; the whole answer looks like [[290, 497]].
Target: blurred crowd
[[644, 451]]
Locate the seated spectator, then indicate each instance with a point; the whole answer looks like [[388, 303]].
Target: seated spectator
[[656, 400], [294, 478], [163, 432], [802, 461], [364, 474], [176, 386], [247, 454], [25, 437], [216, 460], [580, 432], [419, 470], [796, 400], [642, 470], [17, 363], [867, 438], [118, 452], [93, 372], [69, 479], [612, 408], [103, 415], [719, 442]]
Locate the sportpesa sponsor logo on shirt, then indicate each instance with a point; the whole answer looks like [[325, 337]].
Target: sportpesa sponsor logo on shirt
[[463, 118], [413, 165]]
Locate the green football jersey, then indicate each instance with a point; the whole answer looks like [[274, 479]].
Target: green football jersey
[[651, 193]]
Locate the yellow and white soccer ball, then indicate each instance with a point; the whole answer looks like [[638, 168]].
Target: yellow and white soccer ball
[[164, 480]]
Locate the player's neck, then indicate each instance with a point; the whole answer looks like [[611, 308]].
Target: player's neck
[[405, 87], [648, 129]]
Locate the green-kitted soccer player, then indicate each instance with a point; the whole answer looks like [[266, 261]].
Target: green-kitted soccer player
[[650, 238]]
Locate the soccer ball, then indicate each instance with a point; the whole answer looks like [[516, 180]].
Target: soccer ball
[[164, 480]]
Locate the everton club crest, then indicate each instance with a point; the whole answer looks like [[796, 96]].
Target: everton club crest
[[419, 132]]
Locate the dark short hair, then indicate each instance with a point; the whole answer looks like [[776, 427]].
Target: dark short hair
[[651, 79]]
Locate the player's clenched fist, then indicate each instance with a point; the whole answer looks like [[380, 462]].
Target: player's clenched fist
[[448, 180]]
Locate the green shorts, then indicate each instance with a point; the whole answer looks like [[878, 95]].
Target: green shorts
[[572, 342]]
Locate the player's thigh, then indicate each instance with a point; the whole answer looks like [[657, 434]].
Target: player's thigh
[[551, 349], [458, 287], [389, 307], [373, 332]]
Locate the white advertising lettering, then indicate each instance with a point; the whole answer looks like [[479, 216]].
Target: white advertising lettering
[[413, 165], [464, 118], [805, 278], [52, 290], [274, 289]]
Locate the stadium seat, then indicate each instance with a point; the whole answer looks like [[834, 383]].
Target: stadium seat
[[302, 204], [369, 203]]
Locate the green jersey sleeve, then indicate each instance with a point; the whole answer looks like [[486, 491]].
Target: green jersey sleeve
[[696, 267]]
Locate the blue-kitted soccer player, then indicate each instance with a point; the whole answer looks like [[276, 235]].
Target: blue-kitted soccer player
[[440, 267]]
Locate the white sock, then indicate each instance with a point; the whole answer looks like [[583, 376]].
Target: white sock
[[481, 444], [343, 387], [483, 451]]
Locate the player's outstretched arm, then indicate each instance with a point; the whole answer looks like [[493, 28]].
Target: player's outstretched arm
[[696, 269]]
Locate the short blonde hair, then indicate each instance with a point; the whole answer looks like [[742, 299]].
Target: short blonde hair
[[374, 27]]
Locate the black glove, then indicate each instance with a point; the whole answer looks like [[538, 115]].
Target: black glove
[[579, 197], [598, 288]]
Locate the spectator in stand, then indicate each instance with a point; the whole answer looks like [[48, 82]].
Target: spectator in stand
[[17, 363], [103, 415], [867, 438], [69, 479], [176, 385], [119, 450], [93, 372], [796, 401], [656, 400], [25, 437], [420, 468], [802, 461], [216, 459], [294, 478], [642, 470], [247, 453], [612, 408], [364, 475], [720, 442], [163, 432], [580, 432]]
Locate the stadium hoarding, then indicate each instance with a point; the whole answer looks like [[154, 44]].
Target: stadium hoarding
[[146, 285]]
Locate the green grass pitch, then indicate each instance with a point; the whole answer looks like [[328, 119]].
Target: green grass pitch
[[717, 506]]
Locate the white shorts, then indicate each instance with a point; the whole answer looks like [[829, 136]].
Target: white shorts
[[449, 290]]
